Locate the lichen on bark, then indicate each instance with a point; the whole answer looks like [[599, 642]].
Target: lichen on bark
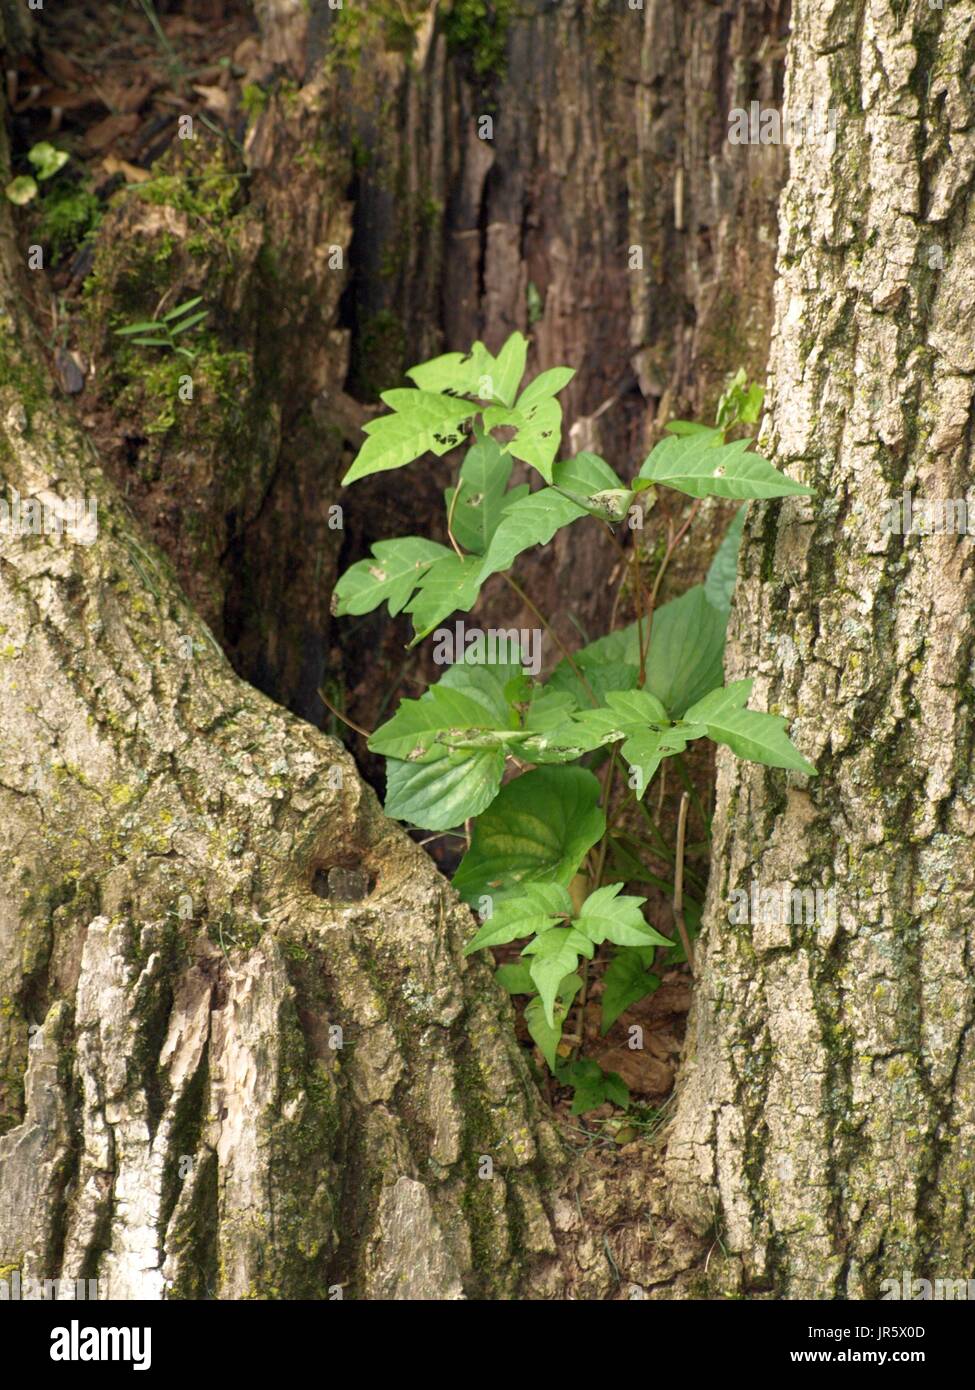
[[826, 1116]]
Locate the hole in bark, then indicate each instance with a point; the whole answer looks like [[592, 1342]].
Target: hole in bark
[[342, 884]]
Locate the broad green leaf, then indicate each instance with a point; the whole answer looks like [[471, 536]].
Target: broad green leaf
[[605, 916], [509, 368], [459, 372], [417, 724], [445, 789], [646, 749], [482, 500], [548, 383], [421, 422], [555, 954], [591, 483], [626, 982], [552, 735], [700, 466], [761, 738], [539, 907], [391, 575], [720, 582], [487, 682], [532, 520], [592, 1086], [686, 656], [538, 829], [539, 432], [516, 978], [546, 1035], [449, 584]]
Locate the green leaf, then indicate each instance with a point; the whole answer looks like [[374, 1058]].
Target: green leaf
[[509, 368], [625, 983], [185, 325], [21, 190], [607, 917], [546, 1035], [687, 427], [483, 500], [592, 484], [761, 738], [537, 830], [421, 422], [646, 749], [548, 383], [445, 789], [592, 1086], [183, 308], [539, 432], [616, 1090], [555, 954], [516, 978], [686, 656], [539, 907], [531, 520], [149, 326], [719, 586], [700, 466], [449, 584], [391, 575], [641, 721], [46, 159], [459, 372], [418, 724]]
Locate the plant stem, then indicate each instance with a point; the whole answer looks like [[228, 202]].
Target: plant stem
[[672, 543], [679, 882], [551, 632], [339, 715]]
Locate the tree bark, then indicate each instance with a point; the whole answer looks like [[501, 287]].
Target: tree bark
[[826, 1119], [198, 892]]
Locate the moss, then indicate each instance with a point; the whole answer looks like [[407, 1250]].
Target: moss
[[478, 29], [253, 100], [378, 355], [69, 214]]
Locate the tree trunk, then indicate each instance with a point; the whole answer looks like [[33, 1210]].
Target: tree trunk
[[826, 1119], [240, 1052]]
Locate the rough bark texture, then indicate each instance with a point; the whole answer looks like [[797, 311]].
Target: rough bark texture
[[827, 1115], [197, 890]]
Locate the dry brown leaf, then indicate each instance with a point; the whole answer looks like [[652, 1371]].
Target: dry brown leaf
[[104, 133], [62, 68], [133, 174], [646, 1075], [215, 99]]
